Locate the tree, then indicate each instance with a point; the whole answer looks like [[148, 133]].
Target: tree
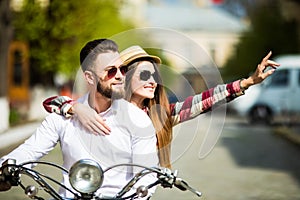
[[56, 32], [5, 38], [269, 31]]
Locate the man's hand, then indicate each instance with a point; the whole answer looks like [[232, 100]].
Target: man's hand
[[4, 184]]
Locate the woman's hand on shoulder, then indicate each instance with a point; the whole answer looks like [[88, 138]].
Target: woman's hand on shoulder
[[89, 118]]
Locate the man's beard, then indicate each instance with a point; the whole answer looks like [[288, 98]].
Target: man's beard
[[109, 92]]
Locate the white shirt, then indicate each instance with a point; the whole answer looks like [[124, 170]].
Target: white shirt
[[132, 140]]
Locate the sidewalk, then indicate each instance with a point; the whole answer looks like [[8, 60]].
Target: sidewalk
[[21, 132], [17, 134], [291, 133]]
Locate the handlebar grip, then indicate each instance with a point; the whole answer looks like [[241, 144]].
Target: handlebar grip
[[7, 171], [182, 185], [9, 177], [5, 185]]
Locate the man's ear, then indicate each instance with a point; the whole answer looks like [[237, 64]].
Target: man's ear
[[89, 77]]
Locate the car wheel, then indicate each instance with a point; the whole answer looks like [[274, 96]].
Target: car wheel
[[260, 114]]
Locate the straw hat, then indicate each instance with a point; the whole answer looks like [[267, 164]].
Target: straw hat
[[135, 52]]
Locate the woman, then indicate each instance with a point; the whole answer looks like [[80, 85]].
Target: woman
[[144, 88]]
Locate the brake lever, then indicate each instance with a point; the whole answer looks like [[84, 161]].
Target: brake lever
[[169, 178], [182, 185]]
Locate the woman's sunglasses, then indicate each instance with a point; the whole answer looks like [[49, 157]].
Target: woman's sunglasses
[[113, 71], [145, 75]]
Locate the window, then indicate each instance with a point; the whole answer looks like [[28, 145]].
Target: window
[[299, 77], [280, 78], [17, 68]]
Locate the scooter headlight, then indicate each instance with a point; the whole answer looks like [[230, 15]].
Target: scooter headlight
[[86, 176]]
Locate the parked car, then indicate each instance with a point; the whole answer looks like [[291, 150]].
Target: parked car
[[277, 98]]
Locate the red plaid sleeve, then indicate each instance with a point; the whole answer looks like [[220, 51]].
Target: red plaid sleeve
[[59, 104], [203, 102]]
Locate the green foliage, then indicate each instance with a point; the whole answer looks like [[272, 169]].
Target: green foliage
[[269, 32], [57, 32], [14, 117]]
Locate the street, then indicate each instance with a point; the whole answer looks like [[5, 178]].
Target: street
[[248, 162]]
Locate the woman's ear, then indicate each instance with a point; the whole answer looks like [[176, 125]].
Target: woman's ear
[[88, 75]]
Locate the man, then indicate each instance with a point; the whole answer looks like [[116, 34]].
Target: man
[[132, 138]]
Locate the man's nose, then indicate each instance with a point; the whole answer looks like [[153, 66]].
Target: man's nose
[[119, 74]]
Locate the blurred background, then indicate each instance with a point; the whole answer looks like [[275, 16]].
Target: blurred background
[[40, 42]]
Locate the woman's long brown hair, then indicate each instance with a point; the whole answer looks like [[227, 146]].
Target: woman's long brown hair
[[158, 111]]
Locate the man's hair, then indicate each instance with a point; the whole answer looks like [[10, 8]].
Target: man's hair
[[92, 49]]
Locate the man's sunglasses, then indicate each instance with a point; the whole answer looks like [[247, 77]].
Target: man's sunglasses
[[145, 75], [113, 71]]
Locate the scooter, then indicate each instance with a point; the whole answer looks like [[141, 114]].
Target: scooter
[[86, 177]]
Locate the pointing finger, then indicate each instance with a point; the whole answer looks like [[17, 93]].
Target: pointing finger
[[268, 56]]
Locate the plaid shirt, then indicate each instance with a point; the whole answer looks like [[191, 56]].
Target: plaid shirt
[[181, 111], [201, 103]]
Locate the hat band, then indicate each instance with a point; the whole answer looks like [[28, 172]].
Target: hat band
[[138, 55]]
